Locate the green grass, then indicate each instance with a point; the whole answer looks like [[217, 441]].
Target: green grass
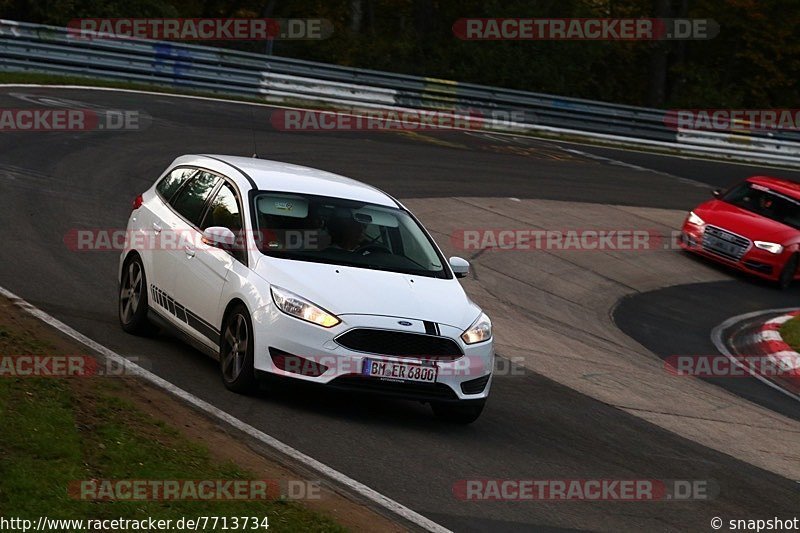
[[23, 344], [57, 431], [790, 331]]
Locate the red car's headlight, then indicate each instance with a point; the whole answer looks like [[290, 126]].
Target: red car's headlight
[[694, 219], [771, 247]]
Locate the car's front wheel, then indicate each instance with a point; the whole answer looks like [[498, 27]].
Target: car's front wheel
[[789, 271], [236, 351], [133, 303], [465, 412]]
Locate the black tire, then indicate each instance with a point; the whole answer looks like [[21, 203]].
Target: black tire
[[133, 302], [236, 361], [788, 272], [465, 412]]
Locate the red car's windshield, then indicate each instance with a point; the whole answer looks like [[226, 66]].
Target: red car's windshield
[[765, 202]]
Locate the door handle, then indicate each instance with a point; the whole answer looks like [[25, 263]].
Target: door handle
[[156, 227], [189, 251]]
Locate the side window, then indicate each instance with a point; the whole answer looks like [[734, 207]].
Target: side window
[[224, 210], [191, 199], [173, 181]]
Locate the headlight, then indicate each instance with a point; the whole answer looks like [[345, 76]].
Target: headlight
[[293, 305], [479, 331], [771, 247], [695, 220]]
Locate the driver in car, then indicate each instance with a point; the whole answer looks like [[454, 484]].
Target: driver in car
[[346, 233]]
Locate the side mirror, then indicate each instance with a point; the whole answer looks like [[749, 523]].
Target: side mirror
[[219, 237], [716, 193], [460, 267]]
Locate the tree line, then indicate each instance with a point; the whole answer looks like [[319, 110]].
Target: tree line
[[753, 62]]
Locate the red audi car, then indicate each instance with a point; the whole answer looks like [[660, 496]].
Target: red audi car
[[753, 226]]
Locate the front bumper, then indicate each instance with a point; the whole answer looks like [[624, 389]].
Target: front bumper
[[755, 261], [467, 377]]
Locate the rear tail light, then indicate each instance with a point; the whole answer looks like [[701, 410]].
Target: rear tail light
[[137, 202]]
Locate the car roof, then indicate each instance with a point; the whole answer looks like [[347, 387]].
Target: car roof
[[782, 185], [263, 174]]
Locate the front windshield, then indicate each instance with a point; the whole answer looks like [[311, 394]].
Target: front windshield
[[343, 232], [765, 202]]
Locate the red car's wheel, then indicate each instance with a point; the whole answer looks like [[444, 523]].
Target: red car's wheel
[[788, 272]]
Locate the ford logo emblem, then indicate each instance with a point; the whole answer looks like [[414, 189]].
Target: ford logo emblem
[[405, 323]]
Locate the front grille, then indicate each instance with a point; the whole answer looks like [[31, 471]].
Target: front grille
[[724, 243], [400, 344], [409, 390], [475, 386]]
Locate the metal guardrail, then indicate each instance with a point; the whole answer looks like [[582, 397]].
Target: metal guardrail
[[28, 47]]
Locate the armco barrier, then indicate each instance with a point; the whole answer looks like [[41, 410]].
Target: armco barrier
[[28, 47]]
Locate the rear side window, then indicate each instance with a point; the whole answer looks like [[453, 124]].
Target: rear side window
[[173, 181], [191, 199]]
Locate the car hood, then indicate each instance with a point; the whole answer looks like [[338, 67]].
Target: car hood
[[344, 290], [745, 223]]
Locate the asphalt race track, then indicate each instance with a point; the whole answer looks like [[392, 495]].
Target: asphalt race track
[[690, 333], [534, 426]]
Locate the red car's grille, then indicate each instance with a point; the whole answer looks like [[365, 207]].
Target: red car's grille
[[724, 243]]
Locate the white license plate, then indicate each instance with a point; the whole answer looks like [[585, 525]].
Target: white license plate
[[399, 371]]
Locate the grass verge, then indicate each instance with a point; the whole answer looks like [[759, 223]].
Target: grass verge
[[790, 331], [56, 431]]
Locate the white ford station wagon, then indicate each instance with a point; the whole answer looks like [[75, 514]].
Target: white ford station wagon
[[279, 269]]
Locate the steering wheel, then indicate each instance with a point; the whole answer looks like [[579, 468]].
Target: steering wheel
[[372, 248]]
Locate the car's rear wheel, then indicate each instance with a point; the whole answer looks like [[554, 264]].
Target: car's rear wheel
[[465, 412], [788, 272], [133, 302], [236, 351]]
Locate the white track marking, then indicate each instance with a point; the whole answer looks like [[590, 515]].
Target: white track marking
[[593, 157], [769, 335], [780, 320], [787, 355], [219, 414], [716, 338], [619, 163]]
